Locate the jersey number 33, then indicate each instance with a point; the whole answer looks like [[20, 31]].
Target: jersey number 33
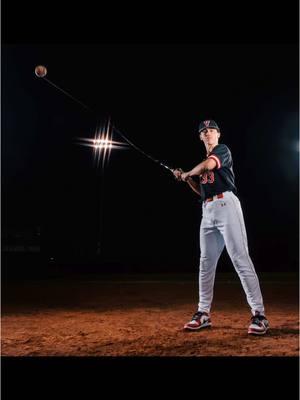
[[208, 177]]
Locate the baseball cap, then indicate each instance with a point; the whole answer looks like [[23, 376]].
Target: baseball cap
[[208, 124]]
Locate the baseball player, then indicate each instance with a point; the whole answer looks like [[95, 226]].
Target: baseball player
[[222, 225]]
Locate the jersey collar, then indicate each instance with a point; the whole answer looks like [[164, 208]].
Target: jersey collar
[[208, 154]]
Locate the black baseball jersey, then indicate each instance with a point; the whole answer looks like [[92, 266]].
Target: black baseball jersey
[[221, 178]]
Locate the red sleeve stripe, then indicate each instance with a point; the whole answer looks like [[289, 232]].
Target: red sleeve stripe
[[216, 160]]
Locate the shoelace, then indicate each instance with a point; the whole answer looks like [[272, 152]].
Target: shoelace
[[257, 319], [197, 315]]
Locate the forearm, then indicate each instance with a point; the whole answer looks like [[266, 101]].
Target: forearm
[[198, 169], [203, 167]]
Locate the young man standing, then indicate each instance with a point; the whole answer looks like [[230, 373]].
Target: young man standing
[[222, 225]]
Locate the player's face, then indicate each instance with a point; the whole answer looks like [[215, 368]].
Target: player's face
[[210, 136]]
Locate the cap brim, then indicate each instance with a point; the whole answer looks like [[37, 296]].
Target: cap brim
[[207, 127]]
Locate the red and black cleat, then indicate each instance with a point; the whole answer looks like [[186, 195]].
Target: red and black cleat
[[259, 325], [199, 320]]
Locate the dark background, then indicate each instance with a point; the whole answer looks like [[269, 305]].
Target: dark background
[[252, 91], [156, 71], [54, 195]]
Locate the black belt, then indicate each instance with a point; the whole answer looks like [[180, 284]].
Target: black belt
[[218, 196]]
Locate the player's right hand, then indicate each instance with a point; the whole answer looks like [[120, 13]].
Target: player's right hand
[[177, 173]]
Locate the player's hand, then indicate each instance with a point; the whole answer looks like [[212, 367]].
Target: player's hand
[[184, 176], [177, 173]]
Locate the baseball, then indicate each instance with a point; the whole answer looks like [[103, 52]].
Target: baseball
[[40, 71]]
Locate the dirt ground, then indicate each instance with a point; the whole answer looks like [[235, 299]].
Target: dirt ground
[[141, 318]]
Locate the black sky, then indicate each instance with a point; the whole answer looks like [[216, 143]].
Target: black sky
[[156, 95]]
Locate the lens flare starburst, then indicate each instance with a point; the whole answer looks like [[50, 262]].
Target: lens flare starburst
[[102, 143]]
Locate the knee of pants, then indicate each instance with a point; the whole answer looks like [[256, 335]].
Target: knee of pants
[[244, 267], [206, 263], [240, 259]]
